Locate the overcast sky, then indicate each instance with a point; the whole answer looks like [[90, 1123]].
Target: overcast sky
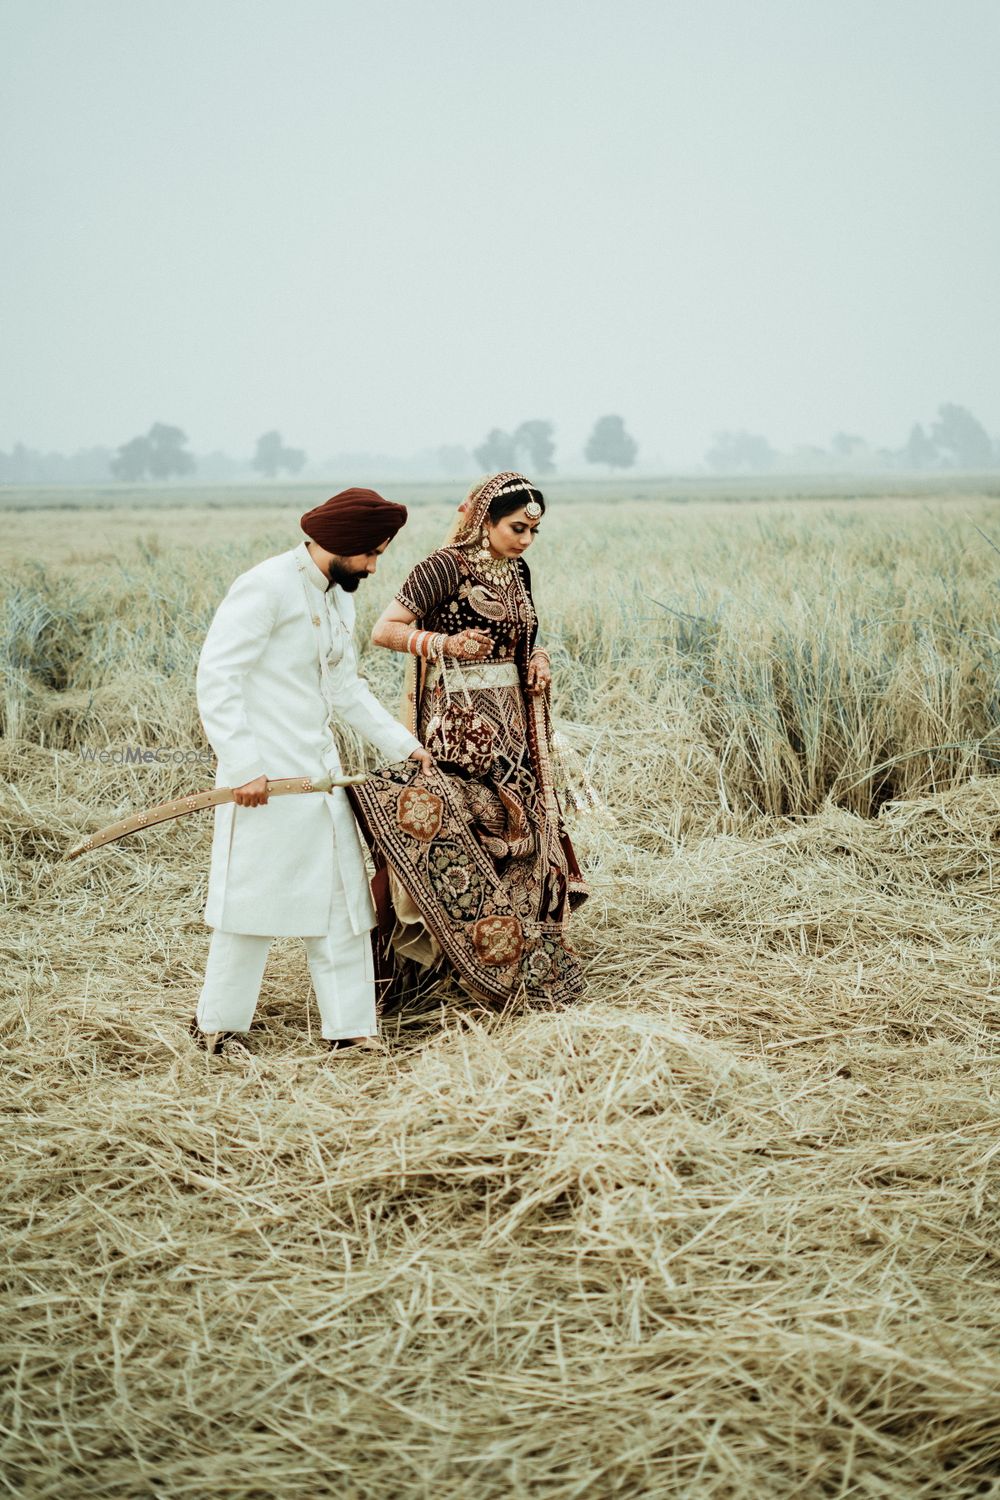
[[385, 225]]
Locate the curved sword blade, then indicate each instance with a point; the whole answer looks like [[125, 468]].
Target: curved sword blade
[[198, 801]]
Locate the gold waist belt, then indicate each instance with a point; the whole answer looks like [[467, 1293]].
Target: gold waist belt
[[484, 674]]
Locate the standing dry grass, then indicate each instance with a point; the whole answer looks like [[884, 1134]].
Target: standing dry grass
[[727, 1228]]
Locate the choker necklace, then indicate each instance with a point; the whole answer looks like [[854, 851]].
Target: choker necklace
[[492, 569]]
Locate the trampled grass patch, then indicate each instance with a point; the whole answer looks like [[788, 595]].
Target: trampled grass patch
[[725, 1228]]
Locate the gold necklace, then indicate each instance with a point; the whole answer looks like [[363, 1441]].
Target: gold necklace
[[495, 570]]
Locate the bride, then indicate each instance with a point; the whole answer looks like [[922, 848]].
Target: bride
[[472, 859]]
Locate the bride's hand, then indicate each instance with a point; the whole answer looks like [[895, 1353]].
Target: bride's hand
[[469, 645], [539, 673]]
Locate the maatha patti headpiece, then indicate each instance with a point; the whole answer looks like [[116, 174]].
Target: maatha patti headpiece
[[477, 502]]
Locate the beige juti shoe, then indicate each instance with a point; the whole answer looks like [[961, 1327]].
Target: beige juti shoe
[[213, 1042]]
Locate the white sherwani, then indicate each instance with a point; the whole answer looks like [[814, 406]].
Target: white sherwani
[[265, 708]]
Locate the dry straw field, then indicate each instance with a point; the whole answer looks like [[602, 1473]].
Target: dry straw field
[[727, 1228]]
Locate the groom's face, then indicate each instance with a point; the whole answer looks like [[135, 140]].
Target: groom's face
[[348, 572]]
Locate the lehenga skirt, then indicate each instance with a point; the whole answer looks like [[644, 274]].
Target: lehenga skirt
[[482, 862]]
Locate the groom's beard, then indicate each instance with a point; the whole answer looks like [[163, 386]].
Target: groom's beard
[[347, 580]]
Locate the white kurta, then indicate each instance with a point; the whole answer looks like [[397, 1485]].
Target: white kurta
[[265, 712]]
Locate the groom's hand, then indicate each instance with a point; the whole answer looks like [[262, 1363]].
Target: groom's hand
[[424, 757], [251, 793]]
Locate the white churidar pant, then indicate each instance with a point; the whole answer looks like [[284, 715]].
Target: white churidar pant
[[340, 964]]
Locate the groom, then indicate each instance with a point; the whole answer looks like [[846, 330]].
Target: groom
[[278, 662]]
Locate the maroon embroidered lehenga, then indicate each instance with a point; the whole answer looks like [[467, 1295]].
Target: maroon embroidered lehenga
[[479, 869]]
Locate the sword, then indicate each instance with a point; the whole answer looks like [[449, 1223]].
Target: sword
[[197, 801]]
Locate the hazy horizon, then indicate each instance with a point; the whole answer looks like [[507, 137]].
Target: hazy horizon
[[383, 229]]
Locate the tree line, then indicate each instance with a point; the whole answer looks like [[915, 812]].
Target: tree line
[[954, 439], [532, 446], [162, 453]]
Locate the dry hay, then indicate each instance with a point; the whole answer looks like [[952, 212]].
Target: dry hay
[[727, 1228]]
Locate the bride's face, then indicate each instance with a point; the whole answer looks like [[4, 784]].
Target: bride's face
[[513, 534]]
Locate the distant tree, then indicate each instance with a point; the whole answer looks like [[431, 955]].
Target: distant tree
[[535, 441], [272, 455], [497, 451], [131, 462], [18, 466], [610, 444], [26, 466], [160, 454], [962, 437], [167, 457], [89, 465], [454, 461], [847, 444], [531, 444], [220, 468], [919, 452], [740, 452]]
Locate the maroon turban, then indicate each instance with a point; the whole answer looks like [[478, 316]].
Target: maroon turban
[[353, 522]]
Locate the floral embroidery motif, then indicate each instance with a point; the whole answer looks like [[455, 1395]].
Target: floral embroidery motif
[[540, 965], [419, 813], [498, 940], [457, 883]]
